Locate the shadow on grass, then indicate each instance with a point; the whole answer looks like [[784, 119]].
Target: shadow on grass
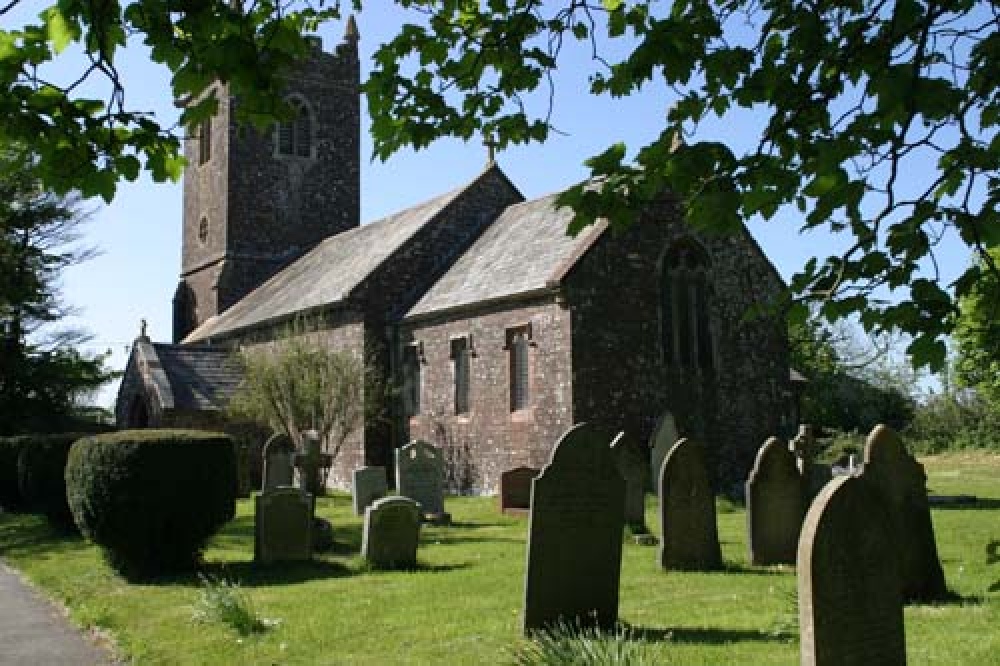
[[979, 504], [707, 635], [950, 598], [36, 538], [763, 570]]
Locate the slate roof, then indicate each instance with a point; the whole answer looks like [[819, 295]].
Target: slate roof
[[326, 274], [200, 378], [525, 250]]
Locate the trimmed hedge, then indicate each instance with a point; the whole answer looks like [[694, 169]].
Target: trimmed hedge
[[10, 494], [152, 498], [41, 477]]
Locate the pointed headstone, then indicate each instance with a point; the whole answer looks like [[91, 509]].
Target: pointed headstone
[[901, 481], [689, 538], [775, 505], [575, 534], [631, 458], [420, 475], [663, 439]]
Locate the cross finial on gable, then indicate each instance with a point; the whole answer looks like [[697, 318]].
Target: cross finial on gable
[[491, 148]]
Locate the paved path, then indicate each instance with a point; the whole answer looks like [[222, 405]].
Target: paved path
[[35, 632]]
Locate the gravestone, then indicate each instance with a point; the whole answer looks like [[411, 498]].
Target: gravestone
[[850, 608], [420, 476], [278, 469], [689, 537], [369, 485], [391, 533], [775, 505], [663, 439], [311, 463], [631, 458], [575, 534], [814, 475], [901, 481], [283, 525], [515, 490]]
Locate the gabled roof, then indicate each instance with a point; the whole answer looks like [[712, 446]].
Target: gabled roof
[[524, 251], [328, 273], [200, 378]]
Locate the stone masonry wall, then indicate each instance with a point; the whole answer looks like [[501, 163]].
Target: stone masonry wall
[[248, 211], [491, 439], [620, 376]]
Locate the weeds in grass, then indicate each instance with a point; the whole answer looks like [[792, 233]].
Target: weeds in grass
[[571, 644], [224, 602], [787, 620]]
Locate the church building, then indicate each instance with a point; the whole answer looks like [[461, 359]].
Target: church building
[[498, 330]]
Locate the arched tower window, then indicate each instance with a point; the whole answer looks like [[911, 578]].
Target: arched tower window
[[685, 307], [295, 137]]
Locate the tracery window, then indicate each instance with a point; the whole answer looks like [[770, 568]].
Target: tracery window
[[295, 137], [685, 307], [518, 350]]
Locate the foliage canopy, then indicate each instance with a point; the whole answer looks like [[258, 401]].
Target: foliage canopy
[[874, 119]]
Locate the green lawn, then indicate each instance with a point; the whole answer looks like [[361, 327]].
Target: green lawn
[[463, 606]]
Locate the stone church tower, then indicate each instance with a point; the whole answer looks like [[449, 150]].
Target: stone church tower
[[256, 201]]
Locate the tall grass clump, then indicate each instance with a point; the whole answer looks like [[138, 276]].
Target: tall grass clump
[[573, 644], [223, 601]]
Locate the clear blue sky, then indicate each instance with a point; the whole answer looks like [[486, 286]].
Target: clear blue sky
[[139, 233]]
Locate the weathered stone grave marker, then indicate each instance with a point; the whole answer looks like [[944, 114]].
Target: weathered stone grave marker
[[311, 463], [278, 470], [575, 534], [663, 439], [850, 608], [689, 536], [814, 475], [515, 490], [901, 481], [369, 484], [391, 533], [631, 458], [775, 505], [420, 476], [283, 525]]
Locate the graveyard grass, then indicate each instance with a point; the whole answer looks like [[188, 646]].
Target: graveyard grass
[[463, 604]]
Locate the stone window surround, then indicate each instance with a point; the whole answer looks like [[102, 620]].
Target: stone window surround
[[460, 347], [524, 412], [302, 106], [413, 380], [696, 282]]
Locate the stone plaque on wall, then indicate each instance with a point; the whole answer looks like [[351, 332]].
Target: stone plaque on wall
[[515, 490], [850, 608], [901, 481], [689, 536], [632, 460], [369, 484], [775, 505], [663, 439], [283, 524], [575, 534], [420, 475], [391, 533]]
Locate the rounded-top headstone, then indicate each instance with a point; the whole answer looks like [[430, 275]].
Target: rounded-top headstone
[[663, 439], [775, 505], [391, 533], [850, 608], [689, 535], [575, 534]]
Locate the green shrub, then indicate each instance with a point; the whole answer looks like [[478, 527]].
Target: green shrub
[[10, 494], [152, 498], [41, 477]]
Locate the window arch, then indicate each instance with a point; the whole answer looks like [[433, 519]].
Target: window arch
[[685, 307], [294, 138]]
